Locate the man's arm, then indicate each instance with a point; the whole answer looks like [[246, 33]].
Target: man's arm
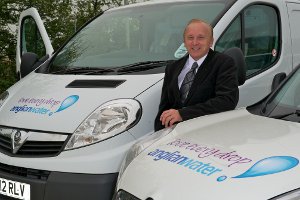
[[164, 102]]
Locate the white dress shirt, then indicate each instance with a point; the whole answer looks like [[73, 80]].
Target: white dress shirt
[[187, 67]]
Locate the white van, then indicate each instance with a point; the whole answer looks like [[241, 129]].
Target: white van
[[66, 125], [244, 154]]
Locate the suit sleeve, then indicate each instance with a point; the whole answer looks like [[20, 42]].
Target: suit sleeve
[[164, 102], [226, 93]]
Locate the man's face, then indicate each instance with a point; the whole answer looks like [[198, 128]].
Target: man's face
[[198, 39]]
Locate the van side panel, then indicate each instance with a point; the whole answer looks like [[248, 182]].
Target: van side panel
[[294, 16]]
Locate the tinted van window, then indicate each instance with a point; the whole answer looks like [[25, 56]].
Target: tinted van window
[[256, 31]]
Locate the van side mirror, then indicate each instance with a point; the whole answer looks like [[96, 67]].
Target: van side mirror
[[27, 63], [278, 78], [30, 62]]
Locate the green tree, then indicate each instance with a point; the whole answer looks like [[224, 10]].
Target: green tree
[[7, 45], [87, 9]]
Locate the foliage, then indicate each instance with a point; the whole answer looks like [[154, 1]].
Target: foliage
[[61, 19]]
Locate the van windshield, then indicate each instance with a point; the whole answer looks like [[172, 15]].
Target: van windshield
[[134, 34], [285, 104]]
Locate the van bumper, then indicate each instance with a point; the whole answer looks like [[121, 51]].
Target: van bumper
[[62, 186]]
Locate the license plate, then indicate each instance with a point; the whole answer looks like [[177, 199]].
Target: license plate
[[14, 189]]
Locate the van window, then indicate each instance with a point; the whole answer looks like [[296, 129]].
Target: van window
[[287, 100], [294, 16], [31, 38], [125, 36], [256, 32]]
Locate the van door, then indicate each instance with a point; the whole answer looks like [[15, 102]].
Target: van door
[[262, 32], [294, 16], [32, 36]]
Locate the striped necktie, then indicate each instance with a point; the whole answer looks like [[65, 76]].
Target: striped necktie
[[187, 82]]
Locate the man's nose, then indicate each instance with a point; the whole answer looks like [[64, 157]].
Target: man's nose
[[195, 41]]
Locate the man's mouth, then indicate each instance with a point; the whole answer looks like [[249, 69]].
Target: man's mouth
[[195, 48]]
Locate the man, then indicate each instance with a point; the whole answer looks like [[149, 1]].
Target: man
[[202, 82]]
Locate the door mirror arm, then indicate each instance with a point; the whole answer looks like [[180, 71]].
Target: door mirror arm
[[278, 78], [42, 66]]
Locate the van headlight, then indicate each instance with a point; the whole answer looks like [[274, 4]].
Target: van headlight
[[141, 145], [3, 97], [108, 120]]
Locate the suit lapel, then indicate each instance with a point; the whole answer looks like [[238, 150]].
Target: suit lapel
[[201, 74], [178, 67]]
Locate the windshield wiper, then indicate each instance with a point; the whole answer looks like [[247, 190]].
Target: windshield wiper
[[136, 67], [142, 66], [296, 112], [83, 71]]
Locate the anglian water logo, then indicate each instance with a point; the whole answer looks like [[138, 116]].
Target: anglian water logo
[[44, 106], [266, 166]]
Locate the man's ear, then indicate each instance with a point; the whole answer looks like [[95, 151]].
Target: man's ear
[[211, 42]]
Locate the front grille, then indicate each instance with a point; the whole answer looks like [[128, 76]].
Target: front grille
[[41, 148], [2, 197], [32, 148], [24, 172], [123, 195], [37, 144], [5, 143]]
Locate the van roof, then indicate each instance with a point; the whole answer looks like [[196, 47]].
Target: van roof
[[157, 2]]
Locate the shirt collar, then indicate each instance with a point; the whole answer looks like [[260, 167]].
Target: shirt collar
[[199, 62]]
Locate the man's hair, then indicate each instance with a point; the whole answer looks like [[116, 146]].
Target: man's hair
[[199, 21]]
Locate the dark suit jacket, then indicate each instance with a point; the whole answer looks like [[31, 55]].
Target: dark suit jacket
[[214, 89]]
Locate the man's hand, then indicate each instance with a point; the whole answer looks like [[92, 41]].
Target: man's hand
[[169, 117]]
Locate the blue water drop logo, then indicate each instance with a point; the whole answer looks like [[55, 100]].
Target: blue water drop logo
[[69, 101], [221, 178], [270, 165]]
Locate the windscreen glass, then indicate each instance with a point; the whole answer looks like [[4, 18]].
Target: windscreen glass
[[132, 35], [286, 103]]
